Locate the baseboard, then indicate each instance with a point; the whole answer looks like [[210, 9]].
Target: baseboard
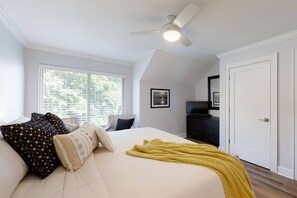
[[183, 135], [289, 173]]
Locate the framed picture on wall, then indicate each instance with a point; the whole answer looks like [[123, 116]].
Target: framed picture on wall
[[216, 98], [160, 98]]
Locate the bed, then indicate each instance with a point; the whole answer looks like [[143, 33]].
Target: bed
[[117, 175]]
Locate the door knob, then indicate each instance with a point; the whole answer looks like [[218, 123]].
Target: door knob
[[264, 119]]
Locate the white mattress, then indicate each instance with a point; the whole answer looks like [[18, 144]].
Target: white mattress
[[117, 175]]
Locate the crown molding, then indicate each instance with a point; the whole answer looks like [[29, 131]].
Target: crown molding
[[11, 26], [266, 42], [76, 54]]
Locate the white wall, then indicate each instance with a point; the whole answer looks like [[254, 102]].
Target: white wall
[[166, 70], [201, 88], [34, 58], [285, 98], [138, 69], [12, 76], [173, 119]]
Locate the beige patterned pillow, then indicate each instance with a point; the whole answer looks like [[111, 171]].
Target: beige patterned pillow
[[74, 148]]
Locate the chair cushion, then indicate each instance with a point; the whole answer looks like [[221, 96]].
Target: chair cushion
[[74, 148], [33, 141], [124, 124]]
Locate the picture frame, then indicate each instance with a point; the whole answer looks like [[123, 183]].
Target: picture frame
[[213, 86], [160, 98], [216, 98]]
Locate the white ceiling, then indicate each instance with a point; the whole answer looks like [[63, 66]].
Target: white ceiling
[[102, 27]]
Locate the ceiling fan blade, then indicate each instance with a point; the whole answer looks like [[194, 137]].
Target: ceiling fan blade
[[146, 32], [186, 15], [185, 41]]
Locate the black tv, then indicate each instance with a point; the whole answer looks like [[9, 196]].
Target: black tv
[[197, 107]]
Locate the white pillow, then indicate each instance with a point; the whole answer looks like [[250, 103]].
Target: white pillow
[[73, 120], [71, 123], [71, 127], [20, 120], [12, 169], [103, 137]]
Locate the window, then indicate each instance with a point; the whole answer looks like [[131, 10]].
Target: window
[[91, 96]]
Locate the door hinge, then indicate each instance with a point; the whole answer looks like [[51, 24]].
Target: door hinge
[[229, 141], [229, 109], [229, 77]]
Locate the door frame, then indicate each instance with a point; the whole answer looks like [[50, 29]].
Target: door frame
[[294, 61], [273, 102]]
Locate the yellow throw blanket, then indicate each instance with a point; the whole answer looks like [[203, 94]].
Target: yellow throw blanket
[[232, 172]]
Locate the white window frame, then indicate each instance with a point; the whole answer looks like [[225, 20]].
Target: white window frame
[[61, 68]]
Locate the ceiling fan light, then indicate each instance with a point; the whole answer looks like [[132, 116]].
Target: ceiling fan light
[[171, 35]]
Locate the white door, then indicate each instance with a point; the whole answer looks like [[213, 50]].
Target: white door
[[250, 112]]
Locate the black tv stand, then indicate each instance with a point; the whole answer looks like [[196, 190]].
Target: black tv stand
[[204, 128]]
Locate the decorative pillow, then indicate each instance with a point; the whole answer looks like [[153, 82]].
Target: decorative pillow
[[2, 122], [71, 123], [124, 124], [57, 122], [33, 141], [36, 116], [53, 119], [19, 120], [71, 119], [103, 137], [12, 169], [71, 127], [74, 148]]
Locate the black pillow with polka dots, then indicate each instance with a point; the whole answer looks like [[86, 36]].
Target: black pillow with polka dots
[[33, 141], [36, 116], [57, 122], [53, 119]]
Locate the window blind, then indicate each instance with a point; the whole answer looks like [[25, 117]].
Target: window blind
[[90, 96]]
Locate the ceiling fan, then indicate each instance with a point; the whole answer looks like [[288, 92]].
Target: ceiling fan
[[171, 31]]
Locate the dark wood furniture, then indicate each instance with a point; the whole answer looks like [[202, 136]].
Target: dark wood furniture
[[203, 128]]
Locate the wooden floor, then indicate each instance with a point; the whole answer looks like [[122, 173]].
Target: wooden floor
[[267, 184], [270, 185]]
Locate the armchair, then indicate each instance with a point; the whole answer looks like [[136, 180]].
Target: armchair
[[113, 120]]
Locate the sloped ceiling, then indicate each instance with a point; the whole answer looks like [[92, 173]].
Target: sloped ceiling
[[170, 68], [102, 28]]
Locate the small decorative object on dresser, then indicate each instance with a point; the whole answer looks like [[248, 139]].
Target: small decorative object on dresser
[[160, 98]]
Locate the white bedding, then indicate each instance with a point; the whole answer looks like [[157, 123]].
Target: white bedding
[[117, 175]]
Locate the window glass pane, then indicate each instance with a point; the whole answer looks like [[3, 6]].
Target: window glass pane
[[90, 96], [105, 97]]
